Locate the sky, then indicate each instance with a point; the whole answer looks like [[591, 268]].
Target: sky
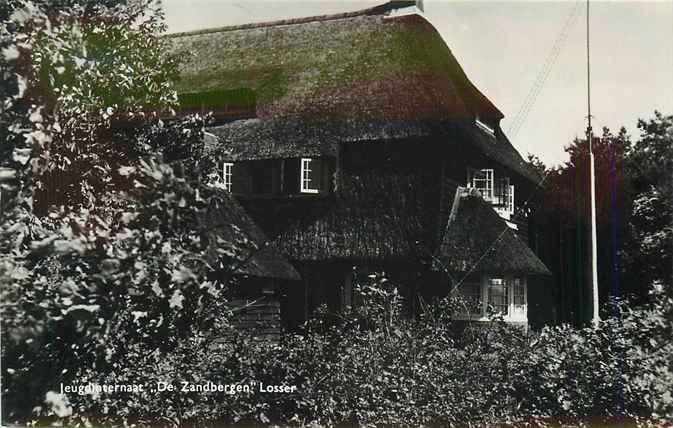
[[514, 50]]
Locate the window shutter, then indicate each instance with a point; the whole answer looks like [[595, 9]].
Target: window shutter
[[240, 178], [291, 176]]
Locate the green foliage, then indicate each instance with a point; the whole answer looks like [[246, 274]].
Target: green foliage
[[651, 223], [104, 254], [634, 217], [372, 366], [110, 281]]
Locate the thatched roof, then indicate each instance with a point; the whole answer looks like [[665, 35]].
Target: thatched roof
[[254, 139], [478, 239], [379, 217], [373, 218], [502, 151], [237, 241], [275, 139], [318, 81], [343, 66]]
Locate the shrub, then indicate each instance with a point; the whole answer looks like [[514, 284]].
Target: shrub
[[371, 366]]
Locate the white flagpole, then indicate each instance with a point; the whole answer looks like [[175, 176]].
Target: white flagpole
[[592, 173]]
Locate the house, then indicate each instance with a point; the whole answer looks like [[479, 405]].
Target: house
[[356, 140]]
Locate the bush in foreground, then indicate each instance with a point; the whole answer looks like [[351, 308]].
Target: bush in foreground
[[372, 366]]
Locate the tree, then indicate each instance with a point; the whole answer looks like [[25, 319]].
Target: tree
[[633, 192], [102, 244], [562, 212], [651, 224]]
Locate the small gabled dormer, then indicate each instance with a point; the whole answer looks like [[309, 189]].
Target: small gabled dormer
[[487, 263]]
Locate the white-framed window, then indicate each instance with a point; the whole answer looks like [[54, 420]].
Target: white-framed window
[[518, 298], [497, 292], [510, 200], [505, 295], [500, 193], [482, 180], [226, 174], [307, 176]]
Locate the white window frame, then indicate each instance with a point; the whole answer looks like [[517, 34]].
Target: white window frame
[[227, 174], [305, 176], [489, 178], [500, 282], [515, 313], [519, 310], [510, 200]]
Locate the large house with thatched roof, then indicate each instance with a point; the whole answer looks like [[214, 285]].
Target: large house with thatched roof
[[357, 143]]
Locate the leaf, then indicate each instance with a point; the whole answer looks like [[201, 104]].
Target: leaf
[[10, 53], [21, 155], [86, 308], [126, 170], [7, 174], [156, 289], [176, 300]]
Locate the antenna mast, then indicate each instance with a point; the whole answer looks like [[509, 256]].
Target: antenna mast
[[592, 183]]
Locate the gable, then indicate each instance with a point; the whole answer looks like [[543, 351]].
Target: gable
[[476, 239]]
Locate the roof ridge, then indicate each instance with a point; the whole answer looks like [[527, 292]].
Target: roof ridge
[[374, 10]]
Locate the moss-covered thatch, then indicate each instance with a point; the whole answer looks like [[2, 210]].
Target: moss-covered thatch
[[477, 239], [218, 98], [226, 222], [346, 66], [319, 81]]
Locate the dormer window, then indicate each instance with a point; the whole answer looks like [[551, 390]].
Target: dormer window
[[307, 176], [222, 176], [482, 180], [504, 197], [500, 193]]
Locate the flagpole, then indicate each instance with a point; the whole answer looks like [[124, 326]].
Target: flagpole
[[592, 182]]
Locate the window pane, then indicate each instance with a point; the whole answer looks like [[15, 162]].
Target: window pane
[[308, 184], [519, 297], [519, 291], [497, 295], [227, 175], [482, 180]]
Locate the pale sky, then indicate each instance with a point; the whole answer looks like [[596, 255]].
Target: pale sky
[[504, 46]]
